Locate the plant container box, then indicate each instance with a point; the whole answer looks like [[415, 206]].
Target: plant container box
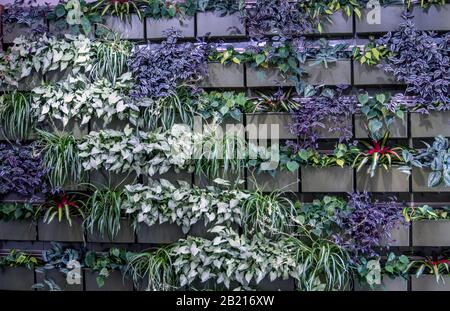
[[159, 233], [428, 283], [326, 179], [115, 124], [129, 29], [171, 176], [199, 229], [61, 231], [114, 282], [156, 27], [213, 25], [30, 82], [65, 31], [391, 180], [325, 133], [125, 235], [224, 76], [18, 230], [16, 278], [12, 31], [339, 24], [435, 17], [57, 75], [101, 178], [338, 72], [270, 77], [20, 198], [73, 127], [284, 181], [259, 126], [420, 181], [399, 236], [205, 181], [431, 233], [389, 285], [397, 129], [430, 125], [276, 285], [390, 18], [60, 278], [364, 74]]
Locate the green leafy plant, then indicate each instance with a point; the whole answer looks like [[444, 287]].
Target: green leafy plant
[[19, 259], [104, 211], [76, 15], [64, 206], [17, 211], [103, 264], [220, 105], [16, 115], [426, 212], [377, 114], [158, 9], [378, 154], [60, 155], [121, 8], [371, 54], [155, 268]]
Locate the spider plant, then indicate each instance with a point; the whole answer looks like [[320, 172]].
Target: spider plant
[[270, 213], [63, 205], [220, 155], [60, 155], [121, 8], [104, 210], [110, 60], [17, 121], [156, 267], [277, 102], [325, 265], [164, 111], [377, 153], [439, 267]]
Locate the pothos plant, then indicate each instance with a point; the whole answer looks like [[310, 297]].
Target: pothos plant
[[75, 15], [19, 259], [139, 152], [104, 264], [232, 259], [79, 100], [158, 9], [43, 55], [370, 54], [185, 205], [377, 114], [17, 211], [426, 212]]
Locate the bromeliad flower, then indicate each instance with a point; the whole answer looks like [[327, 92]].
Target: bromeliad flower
[[63, 205], [378, 152]]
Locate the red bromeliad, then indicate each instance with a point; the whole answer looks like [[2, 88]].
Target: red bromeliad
[[65, 201], [378, 152]]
